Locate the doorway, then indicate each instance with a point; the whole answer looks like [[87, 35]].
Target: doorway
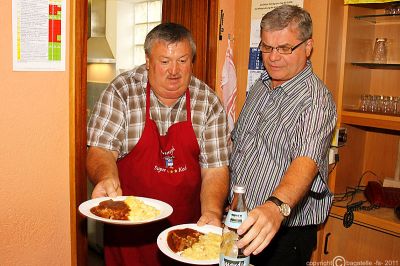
[[204, 29]]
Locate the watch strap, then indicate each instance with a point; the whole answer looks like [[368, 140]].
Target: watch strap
[[284, 208], [275, 200]]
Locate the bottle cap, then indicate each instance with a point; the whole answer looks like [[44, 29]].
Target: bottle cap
[[239, 189]]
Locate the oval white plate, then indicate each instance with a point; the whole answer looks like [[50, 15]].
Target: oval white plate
[[165, 210], [163, 245]]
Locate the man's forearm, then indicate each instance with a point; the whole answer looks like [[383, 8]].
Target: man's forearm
[[214, 189], [101, 164], [297, 181]]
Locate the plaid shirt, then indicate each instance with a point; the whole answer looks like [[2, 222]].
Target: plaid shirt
[[118, 118]]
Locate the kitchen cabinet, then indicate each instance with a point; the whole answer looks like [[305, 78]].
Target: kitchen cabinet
[[370, 152], [360, 242]]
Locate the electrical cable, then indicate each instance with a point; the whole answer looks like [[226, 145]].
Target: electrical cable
[[348, 196]]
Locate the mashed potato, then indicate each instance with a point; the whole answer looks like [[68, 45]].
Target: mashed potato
[[139, 210], [207, 248]]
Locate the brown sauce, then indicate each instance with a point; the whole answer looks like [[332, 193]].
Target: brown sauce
[[180, 239], [112, 209]]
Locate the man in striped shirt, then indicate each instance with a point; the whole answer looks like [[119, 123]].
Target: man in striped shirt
[[281, 143]]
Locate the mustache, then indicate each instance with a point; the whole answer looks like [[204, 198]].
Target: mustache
[[174, 76]]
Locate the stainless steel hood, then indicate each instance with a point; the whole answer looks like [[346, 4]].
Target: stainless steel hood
[[98, 49]]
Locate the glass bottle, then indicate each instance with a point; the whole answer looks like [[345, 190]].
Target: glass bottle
[[230, 254]]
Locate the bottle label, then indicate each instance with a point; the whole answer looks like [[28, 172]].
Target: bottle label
[[228, 261], [235, 219]]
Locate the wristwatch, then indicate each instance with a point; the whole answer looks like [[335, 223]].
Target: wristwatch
[[284, 208]]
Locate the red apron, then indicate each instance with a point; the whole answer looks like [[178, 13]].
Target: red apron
[[164, 168]]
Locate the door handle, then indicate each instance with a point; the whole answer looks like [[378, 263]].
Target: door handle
[[326, 252]]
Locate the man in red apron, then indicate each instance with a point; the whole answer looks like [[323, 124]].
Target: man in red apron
[[159, 132]]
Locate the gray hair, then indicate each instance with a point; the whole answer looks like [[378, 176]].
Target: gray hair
[[288, 15], [171, 33]]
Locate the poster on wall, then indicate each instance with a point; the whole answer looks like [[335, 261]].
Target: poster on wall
[[38, 28], [258, 9]]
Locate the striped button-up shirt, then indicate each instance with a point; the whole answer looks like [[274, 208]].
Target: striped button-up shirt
[[118, 118], [276, 126]]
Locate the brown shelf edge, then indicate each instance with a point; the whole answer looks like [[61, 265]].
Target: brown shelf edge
[[392, 65], [368, 219], [380, 18], [371, 120]]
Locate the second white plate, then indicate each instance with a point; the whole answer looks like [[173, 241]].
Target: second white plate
[[163, 245]]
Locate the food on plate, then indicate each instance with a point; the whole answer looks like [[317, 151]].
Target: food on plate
[[207, 248], [140, 211], [180, 239], [131, 208], [112, 209], [194, 244]]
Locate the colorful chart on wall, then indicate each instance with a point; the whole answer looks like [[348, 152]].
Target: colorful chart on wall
[[38, 28]]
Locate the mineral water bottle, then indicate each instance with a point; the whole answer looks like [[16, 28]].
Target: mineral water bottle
[[230, 254]]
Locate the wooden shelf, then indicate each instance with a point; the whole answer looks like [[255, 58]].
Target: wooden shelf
[[390, 65], [358, 118], [382, 219], [380, 18]]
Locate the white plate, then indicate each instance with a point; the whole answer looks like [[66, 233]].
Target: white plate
[[165, 210], [163, 245]]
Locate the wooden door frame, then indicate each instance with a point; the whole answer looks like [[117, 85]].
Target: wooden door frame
[[78, 185], [206, 70]]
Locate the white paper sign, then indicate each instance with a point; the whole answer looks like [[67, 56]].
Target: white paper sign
[[38, 35]]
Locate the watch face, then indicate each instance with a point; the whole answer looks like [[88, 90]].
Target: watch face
[[285, 209]]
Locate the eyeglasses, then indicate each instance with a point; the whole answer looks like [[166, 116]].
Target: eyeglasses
[[280, 49]]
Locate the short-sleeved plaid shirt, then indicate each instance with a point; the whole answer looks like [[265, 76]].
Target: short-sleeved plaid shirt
[[118, 118]]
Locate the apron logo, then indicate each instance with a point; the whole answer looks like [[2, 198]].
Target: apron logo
[[169, 167], [169, 161], [168, 157]]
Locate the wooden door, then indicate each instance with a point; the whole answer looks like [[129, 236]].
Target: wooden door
[[201, 18]]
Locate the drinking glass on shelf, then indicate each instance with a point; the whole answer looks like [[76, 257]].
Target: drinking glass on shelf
[[373, 106], [393, 9], [380, 50], [395, 104], [386, 105], [380, 103], [365, 102]]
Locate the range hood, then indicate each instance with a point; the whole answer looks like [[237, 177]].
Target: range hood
[[98, 49]]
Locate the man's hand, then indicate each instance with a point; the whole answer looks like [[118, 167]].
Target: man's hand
[[210, 217], [108, 187], [264, 221], [259, 228]]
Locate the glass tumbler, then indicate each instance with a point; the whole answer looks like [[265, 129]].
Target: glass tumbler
[[396, 105], [380, 50], [365, 102]]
